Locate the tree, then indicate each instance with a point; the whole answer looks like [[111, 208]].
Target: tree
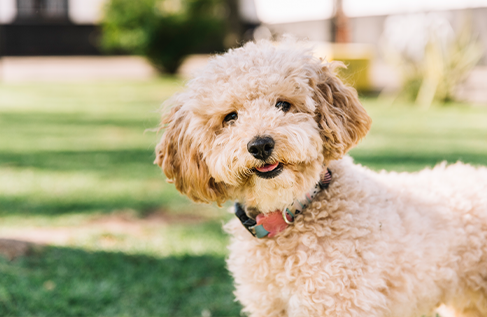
[[165, 31]]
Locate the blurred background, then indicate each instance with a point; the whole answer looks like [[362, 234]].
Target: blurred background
[[88, 226]]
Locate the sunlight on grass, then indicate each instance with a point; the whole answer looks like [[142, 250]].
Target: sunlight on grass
[[406, 138], [78, 147], [34, 191], [171, 240], [122, 233]]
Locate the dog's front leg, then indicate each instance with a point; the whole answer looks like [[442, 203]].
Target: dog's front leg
[[261, 299]]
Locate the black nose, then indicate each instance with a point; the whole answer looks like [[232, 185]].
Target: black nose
[[261, 147]]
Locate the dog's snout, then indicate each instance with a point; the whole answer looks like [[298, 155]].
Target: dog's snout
[[261, 147]]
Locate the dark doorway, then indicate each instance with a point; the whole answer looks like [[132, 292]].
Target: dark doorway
[[43, 27], [42, 11]]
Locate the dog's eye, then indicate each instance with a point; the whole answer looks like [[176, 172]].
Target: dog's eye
[[232, 116], [283, 105]]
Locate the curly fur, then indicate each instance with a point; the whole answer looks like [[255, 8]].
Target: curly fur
[[372, 244]]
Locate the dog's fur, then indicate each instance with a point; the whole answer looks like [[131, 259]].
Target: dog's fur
[[372, 244]]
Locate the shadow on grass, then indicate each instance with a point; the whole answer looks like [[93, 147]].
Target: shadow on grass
[[131, 168], [57, 281], [23, 206], [130, 161], [77, 120]]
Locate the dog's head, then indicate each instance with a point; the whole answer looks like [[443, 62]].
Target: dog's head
[[257, 125]]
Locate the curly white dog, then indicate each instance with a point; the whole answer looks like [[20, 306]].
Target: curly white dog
[[269, 126]]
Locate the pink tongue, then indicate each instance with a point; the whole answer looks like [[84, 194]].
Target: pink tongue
[[267, 167]]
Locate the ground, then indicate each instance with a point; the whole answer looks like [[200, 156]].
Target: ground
[[107, 236]]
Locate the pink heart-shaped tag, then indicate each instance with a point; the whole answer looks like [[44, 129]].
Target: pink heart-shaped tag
[[273, 222]]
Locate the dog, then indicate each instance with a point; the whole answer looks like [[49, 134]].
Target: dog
[[269, 126]]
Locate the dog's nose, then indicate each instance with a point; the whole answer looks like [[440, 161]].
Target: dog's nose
[[261, 147]]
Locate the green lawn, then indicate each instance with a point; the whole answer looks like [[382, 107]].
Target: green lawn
[[405, 138], [75, 162]]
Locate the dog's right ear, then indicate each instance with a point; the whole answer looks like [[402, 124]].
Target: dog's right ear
[[179, 157], [343, 121]]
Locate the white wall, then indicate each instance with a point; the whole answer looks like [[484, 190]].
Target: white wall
[[289, 11], [8, 11], [85, 11], [80, 11], [318, 30], [248, 12], [356, 8]]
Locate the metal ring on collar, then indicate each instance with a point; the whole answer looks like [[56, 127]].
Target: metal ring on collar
[[286, 211]]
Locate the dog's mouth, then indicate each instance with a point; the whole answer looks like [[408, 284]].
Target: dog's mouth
[[269, 171]]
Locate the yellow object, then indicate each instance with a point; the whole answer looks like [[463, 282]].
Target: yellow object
[[357, 57]]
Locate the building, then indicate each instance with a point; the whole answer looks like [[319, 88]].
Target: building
[[49, 27], [312, 19]]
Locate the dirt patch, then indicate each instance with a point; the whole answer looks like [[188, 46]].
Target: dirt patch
[[129, 219], [164, 217], [12, 249], [117, 223], [56, 236]]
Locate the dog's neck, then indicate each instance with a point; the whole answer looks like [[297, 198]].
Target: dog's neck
[[271, 224]]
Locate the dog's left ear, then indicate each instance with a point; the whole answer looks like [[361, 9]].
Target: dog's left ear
[[179, 157], [342, 119]]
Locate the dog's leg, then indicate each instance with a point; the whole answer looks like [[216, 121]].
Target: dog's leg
[[470, 304], [260, 301]]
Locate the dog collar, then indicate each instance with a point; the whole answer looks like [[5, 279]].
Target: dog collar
[[277, 221]]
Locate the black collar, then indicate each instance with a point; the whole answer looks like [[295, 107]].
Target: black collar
[[289, 216]]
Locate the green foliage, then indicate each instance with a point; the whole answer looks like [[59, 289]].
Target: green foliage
[[443, 69], [164, 31], [444, 64], [463, 54]]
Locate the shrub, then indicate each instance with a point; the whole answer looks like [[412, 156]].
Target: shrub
[[164, 31], [432, 59]]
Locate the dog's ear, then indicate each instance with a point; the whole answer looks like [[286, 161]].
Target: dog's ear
[[342, 119], [178, 155]]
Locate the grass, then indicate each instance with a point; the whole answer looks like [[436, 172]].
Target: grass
[[406, 138], [74, 282], [67, 141], [76, 170]]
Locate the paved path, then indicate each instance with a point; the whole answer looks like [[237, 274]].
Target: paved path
[[73, 68]]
